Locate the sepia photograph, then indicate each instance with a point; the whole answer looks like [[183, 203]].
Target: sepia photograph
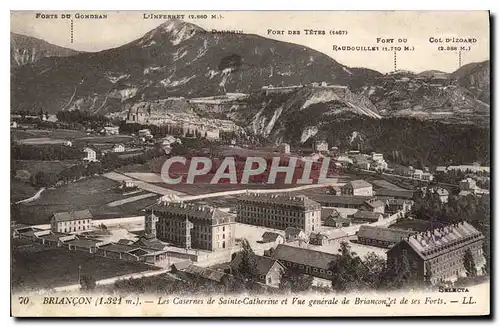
[[250, 163]]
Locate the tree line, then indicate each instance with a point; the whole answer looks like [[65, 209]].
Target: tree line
[[108, 162]]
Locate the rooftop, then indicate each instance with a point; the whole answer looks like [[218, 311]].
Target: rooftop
[[383, 233], [262, 264], [300, 201], [270, 236], [332, 200], [360, 214], [358, 184], [73, 215], [442, 240], [200, 213], [303, 256]]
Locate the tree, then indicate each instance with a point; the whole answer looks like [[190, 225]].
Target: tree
[[87, 282], [375, 267], [247, 269], [469, 264], [295, 282], [348, 270]]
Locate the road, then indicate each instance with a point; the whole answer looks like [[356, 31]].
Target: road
[[33, 198]]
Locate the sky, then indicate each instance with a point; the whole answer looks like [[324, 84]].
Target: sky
[[363, 28]]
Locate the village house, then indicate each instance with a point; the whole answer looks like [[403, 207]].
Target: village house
[[377, 156], [188, 271], [90, 155], [268, 270], [191, 226], [374, 205], [363, 164], [441, 169], [112, 130], [439, 254], [295, 234], [467, 184], [67, 222], [320, 145], [395, 205], [118, 148], [381, 236], [279, 211], [305, 261], [361, 216], [337, 221], [357, 187], [284, 148], [318, 239], [271, 237]]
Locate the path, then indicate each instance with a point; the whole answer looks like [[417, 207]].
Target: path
[[130, 199], [33, 198], [141, 184], [112, 280]]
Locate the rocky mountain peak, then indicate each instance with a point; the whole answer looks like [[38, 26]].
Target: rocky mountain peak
[[174, 30]]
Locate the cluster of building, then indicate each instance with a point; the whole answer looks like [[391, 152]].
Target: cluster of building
[[93, 152], [70, 230], [468, 186]]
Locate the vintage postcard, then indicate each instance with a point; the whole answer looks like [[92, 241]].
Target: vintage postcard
[[250, 163]]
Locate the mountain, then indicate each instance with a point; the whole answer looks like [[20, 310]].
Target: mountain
[[462, 96], [27, 50], [174, 59], [476, 78]]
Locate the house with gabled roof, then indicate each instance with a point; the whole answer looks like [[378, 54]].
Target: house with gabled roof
[[74, 221], [305, 261], [357, 187], [268, 270]]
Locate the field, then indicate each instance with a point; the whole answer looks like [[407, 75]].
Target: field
[[47, 268], [106, 139], [418, 225], [67, 134], [385, 184], [92, 193], [20, 190], [34, 166]]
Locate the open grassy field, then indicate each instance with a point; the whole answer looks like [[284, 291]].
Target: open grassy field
[[418, 225], [48, 268], [106, 139], [21, 190], [47, 166], [92, 193], [67, 134]]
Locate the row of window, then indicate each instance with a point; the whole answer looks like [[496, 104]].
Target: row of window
[[294, 213], [73, 229], [74, 222], [314, 269]]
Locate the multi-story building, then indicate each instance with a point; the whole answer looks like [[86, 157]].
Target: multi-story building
[[191, 226], [438, 254], [67, 222], [90, 155], [280, 211], [357, 187]]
